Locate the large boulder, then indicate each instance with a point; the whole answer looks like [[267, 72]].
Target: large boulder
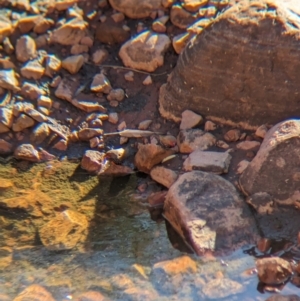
[[209, 214], [243, 68], [272, 179]]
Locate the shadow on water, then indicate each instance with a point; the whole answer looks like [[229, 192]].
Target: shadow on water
[[123, 244]]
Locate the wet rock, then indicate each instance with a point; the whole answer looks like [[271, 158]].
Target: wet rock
[[73, 63], [99, 56], [273, 270], [26, 152], [180, 17], [6, 117], [232, 135], [6, 257], [31, 91], [145, 51], [247, 145], [33, 70], [274, 169], [116, 94], [53, 65], [136, 9], [34, 292], [88, 106], [22, 122], [189, 120], [40, 133], [261, 131], [5, 147], [92, 161], [66, 89], [222, 288], [283, 298], [111, 33], [215, 162], [25, 49], [149, 155], [70, 33], [209, 214], [164, 176], [8, 80], [101, 83], [192, 139], [64, 231], [90, 296], [232, 30]]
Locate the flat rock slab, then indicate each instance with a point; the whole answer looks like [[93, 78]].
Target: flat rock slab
[[209, 214], [250, 52], [215, 162]]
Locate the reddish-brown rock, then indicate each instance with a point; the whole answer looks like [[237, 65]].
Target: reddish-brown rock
[[92, 161], [250, 53], [34, 292]]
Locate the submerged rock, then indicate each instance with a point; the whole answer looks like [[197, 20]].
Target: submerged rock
[[247, 48], [273, 270], [34, 292], [209, 214]]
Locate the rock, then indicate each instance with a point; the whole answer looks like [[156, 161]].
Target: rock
[[274, 169], [189, 120], [21, 107], [53, 65], [87, 41], [247, 145], [180, 17], [192, 139], [194, 5], [31, 91], [283, 298], [168, 140], [8, 80], [87, 133], [7, 46], [136, 9], [90, 296], [129, 76], [114, 170], [92, 161], [232, 30], [163, 176], [88, 106], [36, 115], [42, 25], [100, 83], [147, 81], [6, 27], [26, 152], [209, 214], [149, 155], [179, 42], [232, 135], [40, 133], [113, 118], [117, 154], [145, 51], [73, 63], [5, 147], [70, 33], [64, 4], [22, 122], [64, 231], [157, 199], [34, 292], [99, 56], [209, 126], [4, 298], [222, 288], [111, 33], [116, 94], [261, 131], [273, 270], [242, 166], [33, 70], [6, 117], [144, 125], [118, 17], [214, 162], [41, 41], [61, 145], [66, 89], [25, 49], [26, 24], [45, 102], [78, 49], [159, 27]]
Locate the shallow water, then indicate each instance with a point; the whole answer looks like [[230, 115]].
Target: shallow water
[[118, 255]]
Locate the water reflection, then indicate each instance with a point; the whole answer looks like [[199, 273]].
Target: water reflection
[[124, 247]]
